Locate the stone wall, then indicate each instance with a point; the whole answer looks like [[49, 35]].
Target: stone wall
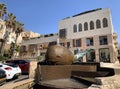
[[48, 72]]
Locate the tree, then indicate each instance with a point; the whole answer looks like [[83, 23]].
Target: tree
[[7, 53], [3, 10], [18, 28], [10, 23], [11, 26], [11, 50]]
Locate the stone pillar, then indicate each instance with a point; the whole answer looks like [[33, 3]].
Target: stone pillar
[[96, 47], [58, 41], [38, 50], [84, 47], [97, 55], [32, 70]]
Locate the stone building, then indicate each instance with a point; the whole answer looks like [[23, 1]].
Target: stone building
[[33, 47], [90, 29], [29, 34]]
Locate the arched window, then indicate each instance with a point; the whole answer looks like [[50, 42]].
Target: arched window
[[105, 22], [75, 28], [91, 25], [80, 27], [85, 26], [98, 24]]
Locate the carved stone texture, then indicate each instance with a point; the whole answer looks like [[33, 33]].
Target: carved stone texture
[[59, 55]]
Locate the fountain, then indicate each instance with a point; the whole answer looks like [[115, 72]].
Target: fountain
[[59, 70]]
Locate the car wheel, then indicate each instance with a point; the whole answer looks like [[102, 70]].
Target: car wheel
[[16, 76]]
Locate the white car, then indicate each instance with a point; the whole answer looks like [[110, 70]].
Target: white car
[[11, 70]]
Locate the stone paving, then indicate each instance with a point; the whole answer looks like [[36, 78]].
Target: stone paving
[[112, 82], [15, 85]]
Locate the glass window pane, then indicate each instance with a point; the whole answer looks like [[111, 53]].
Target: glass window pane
[[103, 40], [80, 27], [104, 55], [98, 24], [91, 25], [85, 26], [89, 42], [75, 28], [105, 22]]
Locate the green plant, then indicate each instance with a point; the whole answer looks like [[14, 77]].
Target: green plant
[[39, 58], [17, 49], [7, 53], [3, 58]]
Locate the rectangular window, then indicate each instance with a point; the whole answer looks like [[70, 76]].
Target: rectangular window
[[52, 43], [89, 42], [76, 42], [104, 54], [103, 40], [62, 33], [23, 48], [32, 47], [62, 44], [68, 44]]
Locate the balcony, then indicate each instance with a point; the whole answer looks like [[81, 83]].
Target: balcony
[[115, 42]]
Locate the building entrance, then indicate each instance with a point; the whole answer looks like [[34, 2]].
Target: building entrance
[[104, 55], [90, 57]]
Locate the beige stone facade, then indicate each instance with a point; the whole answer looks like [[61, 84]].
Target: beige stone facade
[[12, 35], [91, 29], [29, 34]]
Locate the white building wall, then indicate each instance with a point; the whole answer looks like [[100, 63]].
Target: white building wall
[[92, 16], [108, 31], [40, 40]]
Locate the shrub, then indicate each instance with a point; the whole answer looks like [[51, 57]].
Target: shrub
[[2, 58], [39, 58]]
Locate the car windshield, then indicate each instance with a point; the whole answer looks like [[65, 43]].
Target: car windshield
[[16, 62]]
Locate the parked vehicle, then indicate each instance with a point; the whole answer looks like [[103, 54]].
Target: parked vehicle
[[2, 77], [11, 70], [23, 64]]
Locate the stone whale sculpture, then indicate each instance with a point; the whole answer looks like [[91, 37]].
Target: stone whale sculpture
[[59, 55]]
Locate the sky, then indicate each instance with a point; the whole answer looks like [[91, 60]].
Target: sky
[[42, 16]]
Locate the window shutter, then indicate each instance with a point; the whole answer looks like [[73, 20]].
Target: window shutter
[[79, 42], [73, 42]]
